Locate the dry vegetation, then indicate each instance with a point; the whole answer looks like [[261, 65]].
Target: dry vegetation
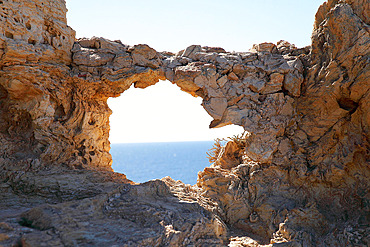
[[214, 152]]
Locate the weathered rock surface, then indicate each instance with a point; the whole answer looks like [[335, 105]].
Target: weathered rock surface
[[298, 177]]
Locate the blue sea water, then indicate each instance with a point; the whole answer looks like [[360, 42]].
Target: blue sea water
[[142, 162]]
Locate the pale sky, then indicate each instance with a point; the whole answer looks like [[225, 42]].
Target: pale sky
[[163, 112]]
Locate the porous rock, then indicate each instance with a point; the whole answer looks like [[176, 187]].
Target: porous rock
[[298, 177]]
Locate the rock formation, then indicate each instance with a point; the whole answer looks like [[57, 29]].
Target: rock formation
[[298, 177]]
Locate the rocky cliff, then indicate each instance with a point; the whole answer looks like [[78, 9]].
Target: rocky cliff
[[298, 177]]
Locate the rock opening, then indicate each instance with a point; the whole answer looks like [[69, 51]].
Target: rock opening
[[300, 178], [175, 124]]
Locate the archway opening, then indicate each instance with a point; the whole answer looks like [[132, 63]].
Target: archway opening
[[161, 131]]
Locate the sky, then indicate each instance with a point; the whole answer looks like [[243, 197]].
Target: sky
[[163, 113]]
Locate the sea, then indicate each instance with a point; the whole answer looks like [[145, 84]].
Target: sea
[[142, 162]]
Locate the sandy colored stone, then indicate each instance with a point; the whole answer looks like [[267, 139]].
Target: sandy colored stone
[[275, 84], [292, 83], [264, 47], [3, 237], [299, 176], [215, 107]]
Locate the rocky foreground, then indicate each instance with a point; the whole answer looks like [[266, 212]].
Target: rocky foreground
[[298, 177]]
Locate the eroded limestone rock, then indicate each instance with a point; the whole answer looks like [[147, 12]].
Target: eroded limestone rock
[[299, 177]]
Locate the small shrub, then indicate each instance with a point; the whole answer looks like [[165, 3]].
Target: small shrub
[[214, 152]]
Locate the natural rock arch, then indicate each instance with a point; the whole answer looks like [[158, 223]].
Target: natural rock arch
[[247, 89], [222, 79], [300, 176]]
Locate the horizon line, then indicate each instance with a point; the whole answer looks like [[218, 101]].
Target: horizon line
[[147, 142]]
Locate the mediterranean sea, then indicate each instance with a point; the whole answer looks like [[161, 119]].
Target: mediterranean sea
[[142, 162]]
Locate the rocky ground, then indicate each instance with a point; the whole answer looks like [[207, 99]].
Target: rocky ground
[[299, 176]]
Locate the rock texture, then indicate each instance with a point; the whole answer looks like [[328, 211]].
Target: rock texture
[[299, 176]]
